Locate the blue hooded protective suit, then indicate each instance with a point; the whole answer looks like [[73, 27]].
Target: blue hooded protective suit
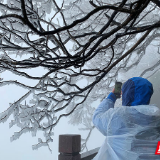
[[133, 130]]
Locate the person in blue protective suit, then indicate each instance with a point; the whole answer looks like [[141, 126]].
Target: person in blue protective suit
[[132, 130]]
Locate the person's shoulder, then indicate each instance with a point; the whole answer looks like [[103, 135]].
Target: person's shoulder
[[150, 110]]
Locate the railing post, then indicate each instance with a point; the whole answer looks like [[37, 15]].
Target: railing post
[[69, 147]]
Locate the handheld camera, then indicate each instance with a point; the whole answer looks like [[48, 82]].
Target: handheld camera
[[117, 89]]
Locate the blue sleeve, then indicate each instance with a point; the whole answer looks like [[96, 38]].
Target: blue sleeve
[[112, 97], [103, 113]]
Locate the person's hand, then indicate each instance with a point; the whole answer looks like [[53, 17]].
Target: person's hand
[[114, 90]]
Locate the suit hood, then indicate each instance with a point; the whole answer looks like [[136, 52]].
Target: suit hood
[[136, 91]]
